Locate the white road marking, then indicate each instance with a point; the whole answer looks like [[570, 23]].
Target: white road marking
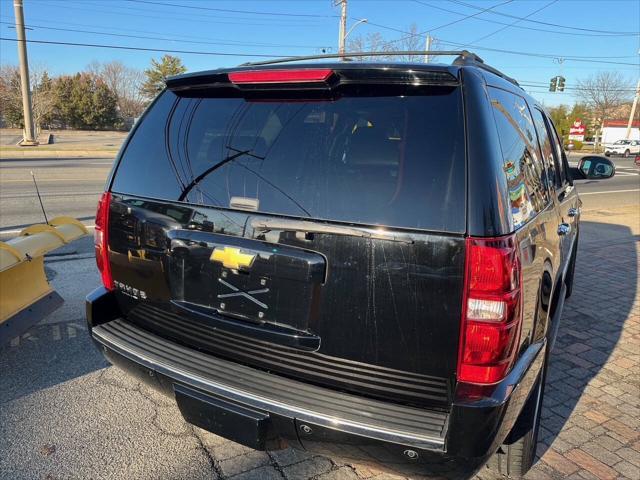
[[56, 332], [610, 191]]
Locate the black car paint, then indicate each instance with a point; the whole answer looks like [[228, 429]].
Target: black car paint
[[476, 427], [389, 319]]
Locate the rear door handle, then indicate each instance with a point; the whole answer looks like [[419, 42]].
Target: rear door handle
[[564, 229], [573, 212]]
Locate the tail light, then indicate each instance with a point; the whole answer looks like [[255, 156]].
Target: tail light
[[308, 75], [101, 240], [492, 310]]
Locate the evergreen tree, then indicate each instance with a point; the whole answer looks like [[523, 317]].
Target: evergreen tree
[[158, 73], [84, 101]]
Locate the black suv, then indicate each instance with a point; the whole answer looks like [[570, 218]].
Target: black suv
[[365, 260]]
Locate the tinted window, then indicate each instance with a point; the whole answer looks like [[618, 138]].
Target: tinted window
[[522, 164], [560, 159], [391, 160], [546, 147]]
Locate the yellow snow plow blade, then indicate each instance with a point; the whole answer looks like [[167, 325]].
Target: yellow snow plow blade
[[25, 294]]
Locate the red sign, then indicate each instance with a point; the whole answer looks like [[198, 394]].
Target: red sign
[[576, 132], [577, 128]]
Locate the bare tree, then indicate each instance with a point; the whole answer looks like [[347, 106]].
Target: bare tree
[[124, 82], [372, 42], [375, 42], [604, 93], [42, 95]]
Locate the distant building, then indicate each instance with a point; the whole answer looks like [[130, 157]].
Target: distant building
[[613, 130]]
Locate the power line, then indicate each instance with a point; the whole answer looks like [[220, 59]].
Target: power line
[[142, 49], [228, 10], [228, 54], [521, 27], [512, 24], [546, 23], [172, 16], [430, 30], [162, 38], [579, 89], [573, 58], [173, 36]]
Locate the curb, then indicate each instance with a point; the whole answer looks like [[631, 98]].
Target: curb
[[31, 152]]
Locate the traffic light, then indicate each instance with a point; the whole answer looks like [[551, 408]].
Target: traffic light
[[553, 85], [561, 81]]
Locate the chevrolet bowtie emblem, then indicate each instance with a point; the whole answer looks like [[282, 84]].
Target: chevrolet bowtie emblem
[[232, 258]]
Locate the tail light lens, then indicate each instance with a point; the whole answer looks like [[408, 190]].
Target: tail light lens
[[308, 75], [101, 240], [492, 310]]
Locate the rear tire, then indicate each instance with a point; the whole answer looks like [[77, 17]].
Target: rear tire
[[518, 452], [627, 153]]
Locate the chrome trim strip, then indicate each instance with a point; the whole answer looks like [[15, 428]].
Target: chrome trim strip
[[152, 362]]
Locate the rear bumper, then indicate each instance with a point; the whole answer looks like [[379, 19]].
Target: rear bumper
[[267, 408]]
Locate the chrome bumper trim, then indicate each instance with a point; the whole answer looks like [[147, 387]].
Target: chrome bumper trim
[[151, 362]]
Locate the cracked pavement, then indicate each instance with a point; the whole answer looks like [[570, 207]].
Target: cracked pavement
[[65, 413]]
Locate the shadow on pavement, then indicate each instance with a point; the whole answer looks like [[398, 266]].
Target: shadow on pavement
[[58, 349], [592, 323]]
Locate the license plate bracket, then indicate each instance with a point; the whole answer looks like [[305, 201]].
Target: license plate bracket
[[249, 427]]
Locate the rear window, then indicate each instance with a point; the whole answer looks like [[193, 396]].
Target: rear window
[[393, 160]]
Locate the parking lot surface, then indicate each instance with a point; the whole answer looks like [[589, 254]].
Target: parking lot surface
[[65, 413]]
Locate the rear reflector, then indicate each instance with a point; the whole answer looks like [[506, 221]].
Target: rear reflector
[[281, 76], [491, 310], [101, 240]]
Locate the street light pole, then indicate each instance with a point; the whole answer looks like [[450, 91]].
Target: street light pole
[[29, 138], [427, 48], [343, 26], [633, 110], [363, 20]]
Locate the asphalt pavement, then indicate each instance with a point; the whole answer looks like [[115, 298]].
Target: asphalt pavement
[[622, 189], [68, 186]]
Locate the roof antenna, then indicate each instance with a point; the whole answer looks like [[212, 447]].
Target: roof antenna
[[39, 197]]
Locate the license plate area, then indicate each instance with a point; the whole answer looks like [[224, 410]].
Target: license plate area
[[241, 424], [244, 278]]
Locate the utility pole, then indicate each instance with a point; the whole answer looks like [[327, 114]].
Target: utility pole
[[427, 48], [633, 110], [29, 138], [343, 26]]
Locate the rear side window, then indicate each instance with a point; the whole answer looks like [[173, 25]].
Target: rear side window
[[561, 160], [522, 166], [546, 147], [389, 160]]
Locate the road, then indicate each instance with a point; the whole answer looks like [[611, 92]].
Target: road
[[67, 186], [622, 189], [72, 187]]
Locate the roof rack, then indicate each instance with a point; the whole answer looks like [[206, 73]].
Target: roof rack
[[472, 59], [463, 57], [347, 55]]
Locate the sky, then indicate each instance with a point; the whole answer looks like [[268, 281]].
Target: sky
[[530, 40]]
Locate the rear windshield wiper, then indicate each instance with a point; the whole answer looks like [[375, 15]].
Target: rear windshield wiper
[[209, 170], [266, 225]]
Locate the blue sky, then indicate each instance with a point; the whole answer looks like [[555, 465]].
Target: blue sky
[[306, 26]]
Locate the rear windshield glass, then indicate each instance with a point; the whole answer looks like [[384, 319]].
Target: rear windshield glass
[[378, 160]]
